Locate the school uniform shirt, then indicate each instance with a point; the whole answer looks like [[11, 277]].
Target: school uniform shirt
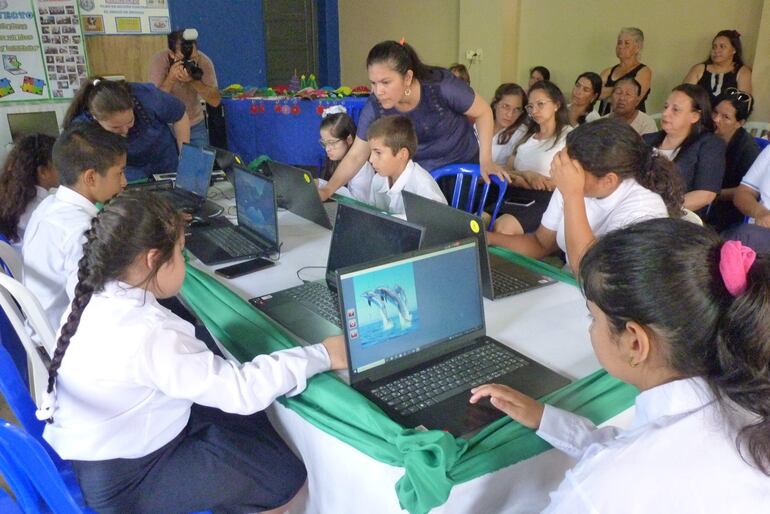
[[758, 178], [40, 194], [536, 155], [361, 183], [133, 370], [52, 247], [629, 203], [501, 152], [413, 179], [677, 456]]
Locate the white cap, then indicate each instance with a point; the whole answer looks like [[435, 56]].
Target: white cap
[[190, 35]]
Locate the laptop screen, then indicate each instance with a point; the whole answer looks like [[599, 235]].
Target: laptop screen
[[406, 306], [255, 201], [361, 235], [23, 123], [194, 172]]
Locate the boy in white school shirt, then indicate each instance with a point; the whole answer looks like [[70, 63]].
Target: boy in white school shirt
[[91, 162], [393, 142]]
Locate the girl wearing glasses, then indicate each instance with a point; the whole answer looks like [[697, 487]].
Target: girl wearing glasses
[[507, 109], [337, 133], [688, 140], [724, 67], [732, 109]]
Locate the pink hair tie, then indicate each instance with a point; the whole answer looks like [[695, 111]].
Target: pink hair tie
[[735, 260]]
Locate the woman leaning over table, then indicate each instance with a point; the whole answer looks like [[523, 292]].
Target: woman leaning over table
[[724, 67], [434, 100], [627, 49]]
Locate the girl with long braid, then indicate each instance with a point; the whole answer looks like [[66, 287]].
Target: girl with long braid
[[150, 418]]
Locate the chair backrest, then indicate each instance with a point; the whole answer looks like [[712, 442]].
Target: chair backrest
[[31, 474], [10, 261], [757, 128], [20, 305], [473, 171], [762, 142]]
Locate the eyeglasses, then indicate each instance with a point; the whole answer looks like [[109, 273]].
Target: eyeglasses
[[739, 95], [537, 106], [330, 143]]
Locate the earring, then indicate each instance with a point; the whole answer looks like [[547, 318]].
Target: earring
[[632, 363], [407, 92]]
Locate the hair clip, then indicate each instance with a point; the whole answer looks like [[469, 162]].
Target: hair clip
[[334, 109], [736, 33], [95, 82], [402, 41], [735, 261]]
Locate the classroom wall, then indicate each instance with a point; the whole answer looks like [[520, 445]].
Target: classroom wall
[[123, 55], [761, 69], [431, 26]]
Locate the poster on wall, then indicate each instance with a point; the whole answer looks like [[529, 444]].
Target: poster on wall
[[125, 16], [42, 50]]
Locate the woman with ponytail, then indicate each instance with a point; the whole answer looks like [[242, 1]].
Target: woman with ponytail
[[682, 316], [606, 178], [152, 420], [438, 104], [141, 113]]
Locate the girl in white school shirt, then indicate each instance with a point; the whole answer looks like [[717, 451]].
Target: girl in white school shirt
[[682, 316], [606, 178], [150, 418]]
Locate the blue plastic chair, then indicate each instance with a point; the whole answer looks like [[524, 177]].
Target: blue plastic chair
[[460, 171], [762, 142]]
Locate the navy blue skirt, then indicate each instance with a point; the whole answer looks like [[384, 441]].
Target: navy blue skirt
[[220, 462]]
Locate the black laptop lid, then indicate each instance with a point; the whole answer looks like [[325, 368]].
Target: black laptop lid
[[411, 309], [255, 205], [361, 235], [195, 167]]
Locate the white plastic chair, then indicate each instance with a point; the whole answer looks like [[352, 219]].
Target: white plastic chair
[[12, 259], [757, 128], [21, 306], [691, 217]]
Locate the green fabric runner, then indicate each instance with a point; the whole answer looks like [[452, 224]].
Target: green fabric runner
[[433, 461]]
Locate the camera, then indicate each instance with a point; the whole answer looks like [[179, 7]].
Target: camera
[[186, 46]]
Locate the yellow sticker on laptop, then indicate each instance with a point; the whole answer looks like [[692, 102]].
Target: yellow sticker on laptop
[[307, 178], [475, 226]]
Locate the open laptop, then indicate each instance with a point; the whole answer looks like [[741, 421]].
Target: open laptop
[[257, 231], [311, 311], [296, 191], [444, 224], [415, 334], [24, 123]]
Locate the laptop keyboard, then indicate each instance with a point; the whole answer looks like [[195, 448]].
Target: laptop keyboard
[[507, 285], [231, 241], [432, 385], [319, 299]]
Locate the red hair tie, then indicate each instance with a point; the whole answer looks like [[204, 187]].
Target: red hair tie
[[401, 41], [735, 261]]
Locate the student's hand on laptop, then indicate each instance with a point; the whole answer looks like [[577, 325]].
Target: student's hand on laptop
[[520, 407], [335, 346], [325, 193]]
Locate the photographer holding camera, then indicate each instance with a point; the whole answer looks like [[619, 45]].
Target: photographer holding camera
[[188, 74]]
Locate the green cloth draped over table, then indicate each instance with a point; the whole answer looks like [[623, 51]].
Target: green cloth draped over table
[[433, 461]]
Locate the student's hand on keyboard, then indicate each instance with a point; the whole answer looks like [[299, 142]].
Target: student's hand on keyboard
[[520, 407], [335, 346]]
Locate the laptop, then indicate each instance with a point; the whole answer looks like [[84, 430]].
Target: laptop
[[257, 231], [296, 191], [415, 334], [311, 311], [12, 65], [444, 224], [24, 123]]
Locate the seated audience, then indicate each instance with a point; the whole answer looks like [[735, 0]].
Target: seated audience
[[393, 143], [337, 133], [681, 316], [461, 72], [624, 100], [687, 139], [606, 178], [724, 67], [752, 199], [150, 418], [588, 87], [627, 49], [541, 139], [141, 113], [90, 161], [537, 74], [27, 176], [732, 109], [507, 108]]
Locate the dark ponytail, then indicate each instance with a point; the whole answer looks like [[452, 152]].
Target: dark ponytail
[[19, 178], [100, 98], [664, 274], [401, 57], [130, 224], [609, 145]]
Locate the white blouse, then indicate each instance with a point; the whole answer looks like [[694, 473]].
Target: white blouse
[[133, 370], [40, 194], [678, 456], [414, 179], [502, 152], [536, 155]]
